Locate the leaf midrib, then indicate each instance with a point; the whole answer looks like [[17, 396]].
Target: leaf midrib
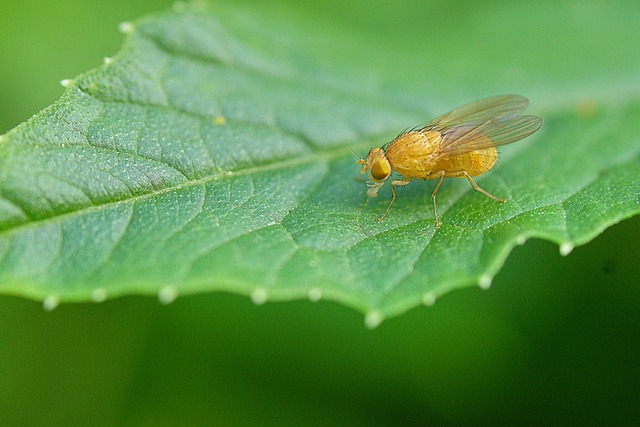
[[313, 157]]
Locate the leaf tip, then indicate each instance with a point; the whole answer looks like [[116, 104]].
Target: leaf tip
[[566, 248], [50, 303], [428, 299], [167, 294], [259, 296], [99, 295], [126, 27], [373, 319], [484, 282], [315, 294]]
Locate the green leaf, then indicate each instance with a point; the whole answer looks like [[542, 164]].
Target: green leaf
[[213, 152]]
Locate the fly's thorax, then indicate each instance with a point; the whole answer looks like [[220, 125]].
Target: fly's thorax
[[413, 154]]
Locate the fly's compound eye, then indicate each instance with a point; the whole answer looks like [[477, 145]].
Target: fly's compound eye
[[380, 170]]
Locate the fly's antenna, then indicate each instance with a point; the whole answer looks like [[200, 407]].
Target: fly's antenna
[[360, 161]]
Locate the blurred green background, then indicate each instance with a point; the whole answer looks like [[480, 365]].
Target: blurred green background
[[554, 340]]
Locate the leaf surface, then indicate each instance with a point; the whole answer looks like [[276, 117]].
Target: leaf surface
[[214, 153]]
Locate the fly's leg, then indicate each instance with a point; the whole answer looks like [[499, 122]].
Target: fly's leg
[[400, 183], [433, 196], [475, 187]]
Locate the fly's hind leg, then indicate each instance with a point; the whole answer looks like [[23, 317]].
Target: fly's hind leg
[[433, 196], [477, 188], [394, 183]]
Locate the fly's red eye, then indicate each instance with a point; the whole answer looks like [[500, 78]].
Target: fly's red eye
[[380, 170]]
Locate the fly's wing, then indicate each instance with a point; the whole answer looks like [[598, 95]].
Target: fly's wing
[[466, 137], [479, 111]]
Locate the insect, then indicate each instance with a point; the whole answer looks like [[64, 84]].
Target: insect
[[459, 144]]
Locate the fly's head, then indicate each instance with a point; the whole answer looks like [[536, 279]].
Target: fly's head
[[379, 170]]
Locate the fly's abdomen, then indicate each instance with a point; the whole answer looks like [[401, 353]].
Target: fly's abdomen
[[474, 163]]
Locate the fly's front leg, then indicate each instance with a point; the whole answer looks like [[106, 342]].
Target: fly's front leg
[[486, 193], [400, 183]]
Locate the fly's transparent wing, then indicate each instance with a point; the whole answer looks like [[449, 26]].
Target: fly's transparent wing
[[471, 136], [479, 111]]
